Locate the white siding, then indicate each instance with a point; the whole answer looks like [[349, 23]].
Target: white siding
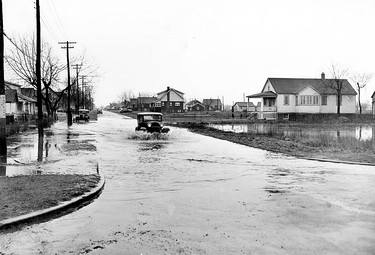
[[173, 97], [268, 87], [348, 104]]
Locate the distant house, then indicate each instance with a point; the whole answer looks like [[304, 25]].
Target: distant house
[[195, 106], [244, 106], [281, 97], [146, 104], [170, 100], [212, 104], [373, 103]]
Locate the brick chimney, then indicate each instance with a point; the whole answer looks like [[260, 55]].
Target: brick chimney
[[323, 76]]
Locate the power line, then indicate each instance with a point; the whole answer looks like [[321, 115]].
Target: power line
[[48, 27], [18, 48], [59, 24]]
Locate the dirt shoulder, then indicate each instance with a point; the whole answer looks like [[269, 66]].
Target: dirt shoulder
[[285, 146], [25, 194]]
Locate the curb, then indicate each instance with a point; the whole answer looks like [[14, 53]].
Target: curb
[[8, 223]]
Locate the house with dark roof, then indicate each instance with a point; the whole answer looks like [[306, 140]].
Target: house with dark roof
[[17, 103], [244, 107], [170, 100], [213, 104], [194, 106], [281, 97]]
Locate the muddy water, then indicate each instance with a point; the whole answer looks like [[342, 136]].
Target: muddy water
[[184, 193]]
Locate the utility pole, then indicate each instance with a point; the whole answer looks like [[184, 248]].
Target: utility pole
[[39, 83], [3, 140], [67, 47], [83, 91], [77, 67]]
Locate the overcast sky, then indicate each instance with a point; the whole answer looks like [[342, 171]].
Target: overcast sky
[[204, 48]]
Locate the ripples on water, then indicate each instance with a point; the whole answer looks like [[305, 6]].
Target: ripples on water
[[148, 136]]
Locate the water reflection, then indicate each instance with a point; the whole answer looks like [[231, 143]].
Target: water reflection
[[360, 132], [3, 165]]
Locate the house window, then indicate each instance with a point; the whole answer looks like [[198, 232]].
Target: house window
[[157, 104], [324, 99], [162, 103], [286, 99], [170, 104], [309, 100], [197, 108], [177, 104]]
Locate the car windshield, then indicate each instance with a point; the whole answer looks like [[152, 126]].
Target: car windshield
[[151, 118]]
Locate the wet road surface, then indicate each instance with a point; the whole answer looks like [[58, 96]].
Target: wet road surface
[[183, 193]]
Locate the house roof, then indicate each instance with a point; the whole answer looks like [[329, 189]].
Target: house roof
[[164, 93], [373, 94], [11, 96], [146, 100], [294, 85], [26, 98], [267, 94], [244, 104], [193, 102], [211, 101], [197, 103], [29, 92]]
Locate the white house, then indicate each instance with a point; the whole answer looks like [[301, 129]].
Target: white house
[[244, 106], [281, 97]]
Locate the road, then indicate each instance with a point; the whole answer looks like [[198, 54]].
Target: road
[[183, 193]]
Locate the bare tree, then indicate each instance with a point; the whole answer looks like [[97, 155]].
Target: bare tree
[[125, 97], [21, 60], [336, 83], [361, 80]]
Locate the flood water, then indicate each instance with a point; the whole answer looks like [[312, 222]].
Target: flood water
[[360, 132], [184, 193]]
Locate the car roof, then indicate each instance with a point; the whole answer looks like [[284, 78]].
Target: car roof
[[83, 110], [150, 113]]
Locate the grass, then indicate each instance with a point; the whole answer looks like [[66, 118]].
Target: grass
[[24, 194]]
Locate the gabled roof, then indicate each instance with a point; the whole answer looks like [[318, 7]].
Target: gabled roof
[[193, 102], [197, 103], [211, 102], [373, 94], [244, 104], [164, 93], [295, 85]]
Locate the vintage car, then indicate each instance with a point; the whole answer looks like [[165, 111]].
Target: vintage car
[[151, 122], [83, 114]]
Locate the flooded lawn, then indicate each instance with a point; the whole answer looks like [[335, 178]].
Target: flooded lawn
[[360, 132]]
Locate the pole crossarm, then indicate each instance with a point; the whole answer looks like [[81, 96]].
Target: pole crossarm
[[67, 47]]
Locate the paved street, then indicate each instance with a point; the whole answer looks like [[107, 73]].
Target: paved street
[[183, 193]]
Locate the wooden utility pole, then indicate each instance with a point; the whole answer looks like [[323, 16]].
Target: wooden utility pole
[[83, 91], [77, 67], [3, 140], [39, 83], [67, 47]]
